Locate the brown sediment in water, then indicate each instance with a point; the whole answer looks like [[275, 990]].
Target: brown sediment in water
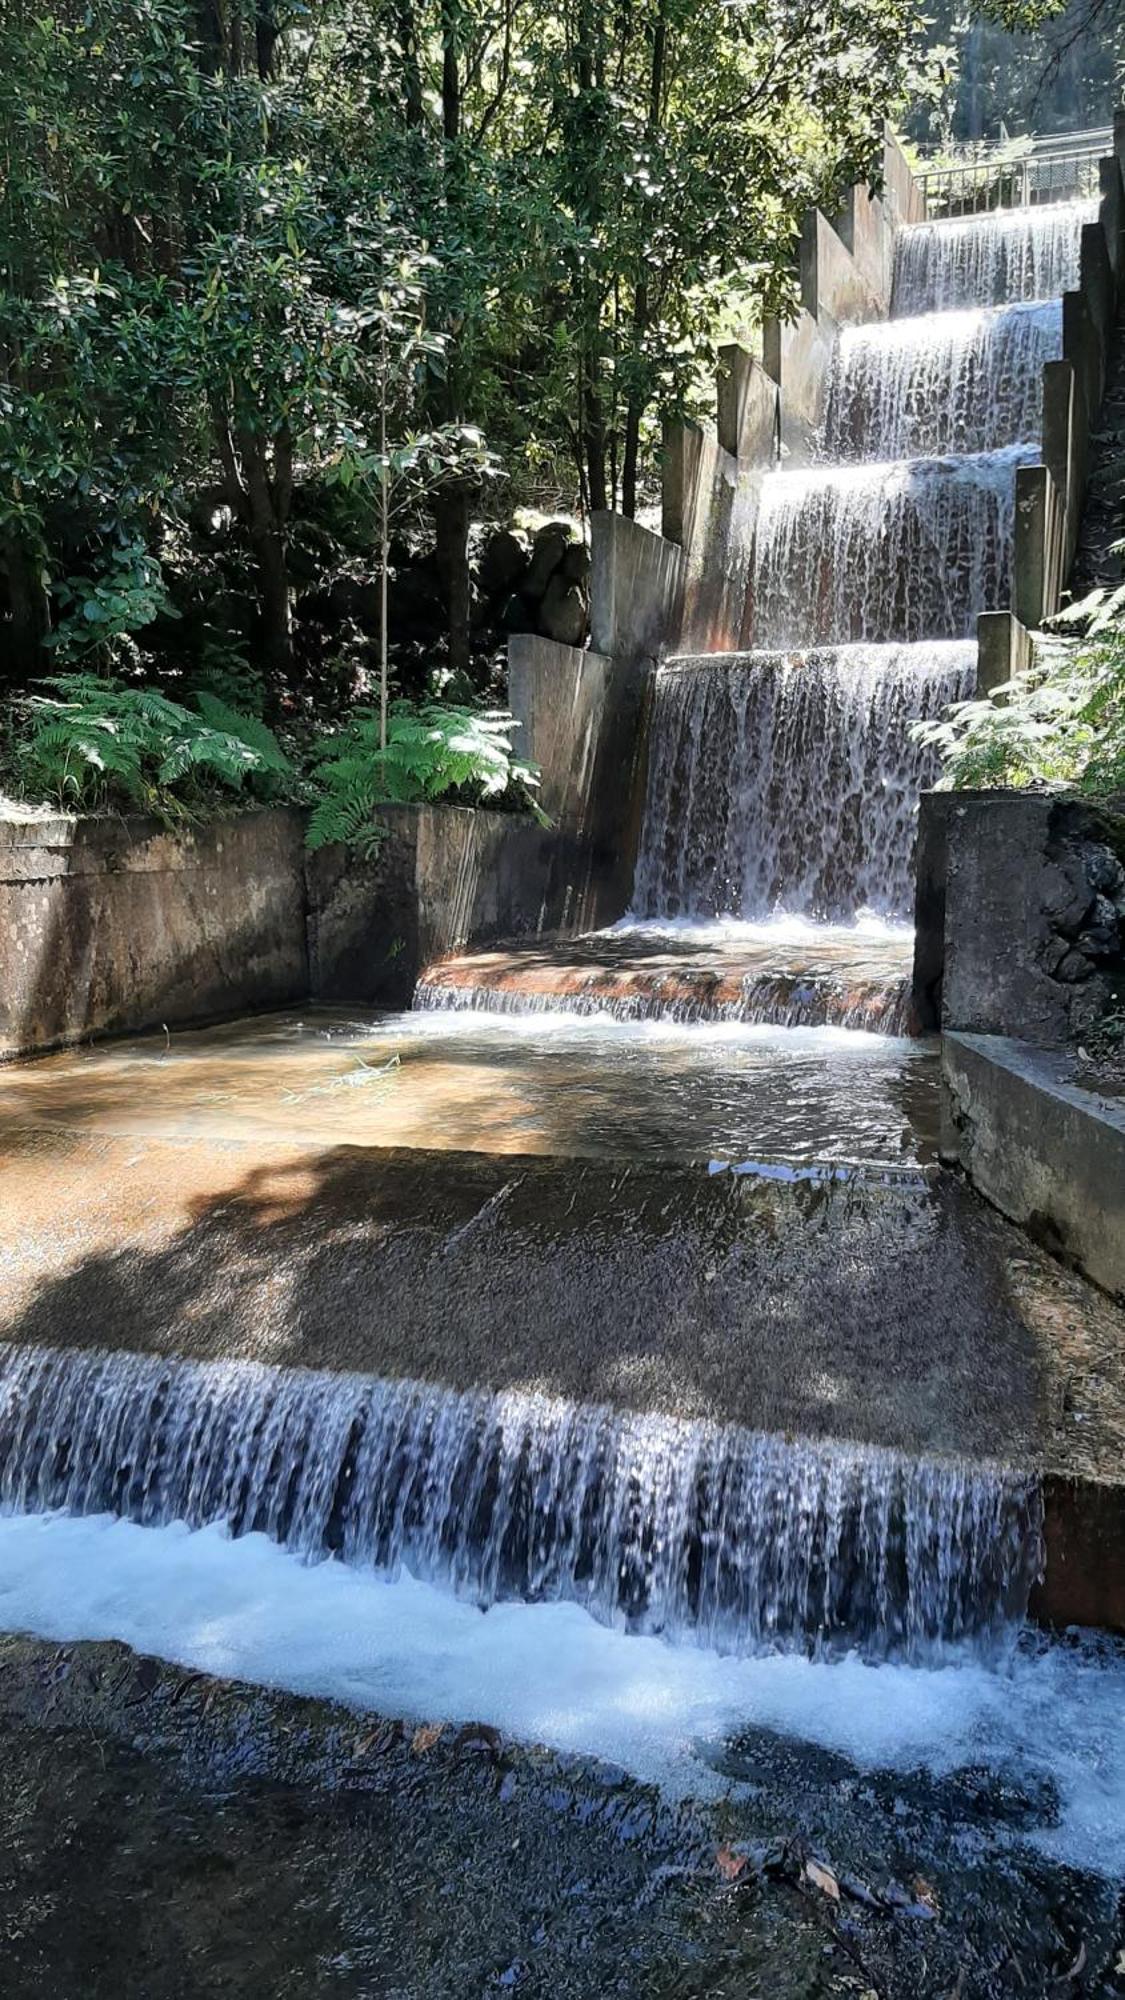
[[593, 1089]]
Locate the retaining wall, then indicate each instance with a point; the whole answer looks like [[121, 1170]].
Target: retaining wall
[[1019, 951], [1047, 1153], [1019, 914], [119, 924], [113, 925]]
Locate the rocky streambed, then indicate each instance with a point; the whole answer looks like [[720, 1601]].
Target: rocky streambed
[[167, 1835]]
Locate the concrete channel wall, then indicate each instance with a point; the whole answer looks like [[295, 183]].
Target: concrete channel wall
[[113, 925], [1050, 495], [1020, 951]]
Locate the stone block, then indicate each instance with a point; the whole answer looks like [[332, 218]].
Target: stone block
[[747, 408], [637, 590], [1004, 648], [1022, 877], [1049, 1155]]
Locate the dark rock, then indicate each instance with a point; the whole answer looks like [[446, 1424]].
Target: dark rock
[[548, 549], [1074, 967], [1067, 895], [1054, 952], [518, 615], [212, 518], [1104, 871], [575, 565], [504, 561], [1102, 934], [563, 612]]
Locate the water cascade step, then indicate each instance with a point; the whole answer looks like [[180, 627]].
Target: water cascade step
[[946, 382], [712, 1533], [861, 982], [914, 549], [790, 781], [989, 260], [783, 781]]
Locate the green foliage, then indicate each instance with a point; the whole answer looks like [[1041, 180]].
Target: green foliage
[[1021, 66], [432, 752], [95, 743], [380, 249], [1060, 723]]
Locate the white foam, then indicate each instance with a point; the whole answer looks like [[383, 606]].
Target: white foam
[[548, 1673], [557, 1026], [767, 932]]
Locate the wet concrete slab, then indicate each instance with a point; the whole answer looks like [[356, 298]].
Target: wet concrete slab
[[834, 977], [168, 1834], [886, 1307]]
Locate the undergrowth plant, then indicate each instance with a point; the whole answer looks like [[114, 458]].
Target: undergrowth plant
[[1062, 722], [431, 752], [93, 744]]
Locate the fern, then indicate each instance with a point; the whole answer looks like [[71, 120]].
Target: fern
[[1062, 722], [432, 752], [94, 743]]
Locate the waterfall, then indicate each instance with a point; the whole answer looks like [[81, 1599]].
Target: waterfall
[[790, 780], [914, 549], [809, 998], [715, 1533], [987, 260], [947, 382]]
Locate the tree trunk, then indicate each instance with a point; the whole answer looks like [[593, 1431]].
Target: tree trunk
[[27, 620], [451, 521], [594, 443], [264, 507], [267, 30], [412, 75], [637, 401]]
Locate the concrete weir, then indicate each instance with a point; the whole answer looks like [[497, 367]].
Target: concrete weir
[[892, 1311]]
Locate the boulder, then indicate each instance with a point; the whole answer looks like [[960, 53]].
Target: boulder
[[503, 563], [563, 613], [575, 565], [547, 551]]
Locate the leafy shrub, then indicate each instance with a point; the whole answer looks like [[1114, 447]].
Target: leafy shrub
[[431, 752], [94, 743], [1060, 723]]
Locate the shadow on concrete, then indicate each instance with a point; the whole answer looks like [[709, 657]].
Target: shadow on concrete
[[880, 1314]]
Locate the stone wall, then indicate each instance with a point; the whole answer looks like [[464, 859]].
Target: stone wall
[[1020, 914], [444, 876], [112, 925], [1019, 952], [116, 924]]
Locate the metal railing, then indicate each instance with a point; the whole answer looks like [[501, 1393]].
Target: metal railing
[[974, 186]]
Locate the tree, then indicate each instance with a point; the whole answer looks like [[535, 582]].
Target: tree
[[254, 257]]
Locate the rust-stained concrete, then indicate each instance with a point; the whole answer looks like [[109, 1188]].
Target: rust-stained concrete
[[841, 981]]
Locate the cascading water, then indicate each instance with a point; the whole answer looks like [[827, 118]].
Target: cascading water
[[783, 781], [948, 382], [790, 780], [989, 260], [715, 1533], [910, 550]]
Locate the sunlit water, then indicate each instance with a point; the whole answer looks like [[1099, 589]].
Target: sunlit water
[[679, 1526], [791, 780], [545, 1083]]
